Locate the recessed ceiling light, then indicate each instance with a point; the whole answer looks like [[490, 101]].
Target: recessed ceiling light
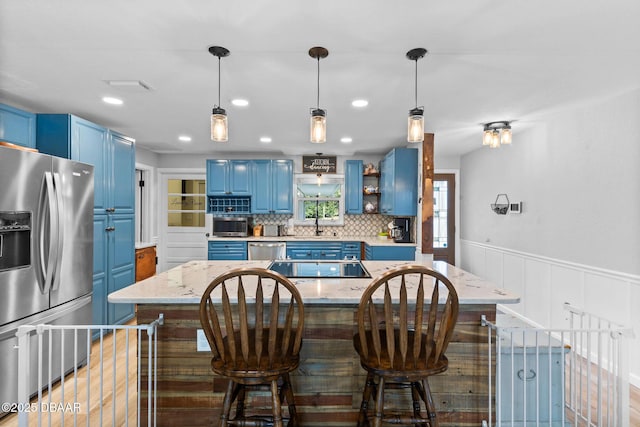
[[184, 138], [360, 103], [346, 140], [265, 139], [112, 101], [240, 102]]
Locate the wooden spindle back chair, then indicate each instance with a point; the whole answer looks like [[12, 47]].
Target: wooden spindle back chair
[[405, 321], [253, 319]]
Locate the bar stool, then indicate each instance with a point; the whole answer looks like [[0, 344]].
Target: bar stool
[[403, 333], [255, 337]]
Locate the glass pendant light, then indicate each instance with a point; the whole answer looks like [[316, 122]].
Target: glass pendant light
[[415, 126], [487, 136], [318, 116], [505, 135], [495, 139], [219, 126]]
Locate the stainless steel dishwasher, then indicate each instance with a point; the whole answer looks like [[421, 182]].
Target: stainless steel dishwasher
[[267, 250]]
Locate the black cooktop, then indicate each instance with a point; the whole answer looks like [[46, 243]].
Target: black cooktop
[[320, 269]]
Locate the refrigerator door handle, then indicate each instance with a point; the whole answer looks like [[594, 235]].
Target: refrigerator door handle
[[60, 233], [47, 261]]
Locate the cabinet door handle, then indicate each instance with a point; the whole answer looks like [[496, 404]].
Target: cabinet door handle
[[111, 210], [110, 229]]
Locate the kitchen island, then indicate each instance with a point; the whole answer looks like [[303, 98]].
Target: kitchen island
[[329, 381]]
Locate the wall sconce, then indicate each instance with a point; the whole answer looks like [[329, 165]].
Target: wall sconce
[[496, 134]]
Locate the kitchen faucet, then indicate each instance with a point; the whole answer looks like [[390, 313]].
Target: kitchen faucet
[[318, 231]]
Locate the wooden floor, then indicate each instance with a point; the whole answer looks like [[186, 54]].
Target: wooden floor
[[118, 380], [126, 380]]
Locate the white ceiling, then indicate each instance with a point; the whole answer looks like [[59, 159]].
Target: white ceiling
[[488, 61]]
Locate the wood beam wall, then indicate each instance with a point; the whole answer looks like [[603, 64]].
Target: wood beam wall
[[427, 193]]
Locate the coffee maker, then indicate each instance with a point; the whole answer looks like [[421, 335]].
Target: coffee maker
[[401, 232]]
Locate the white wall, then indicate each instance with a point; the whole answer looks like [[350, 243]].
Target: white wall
[[578, 176], [578, 238]]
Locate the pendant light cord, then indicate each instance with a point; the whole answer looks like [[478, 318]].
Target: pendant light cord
[[218, 82], [318, 86], [416, 86]]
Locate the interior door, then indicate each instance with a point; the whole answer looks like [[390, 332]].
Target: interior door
[[444, 217], [182, 216]]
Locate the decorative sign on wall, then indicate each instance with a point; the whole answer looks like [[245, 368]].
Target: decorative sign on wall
[[318, 164]]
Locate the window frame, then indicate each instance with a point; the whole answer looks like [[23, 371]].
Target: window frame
[[301, 178]]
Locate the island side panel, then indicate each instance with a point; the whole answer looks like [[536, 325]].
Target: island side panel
[[329, 381]]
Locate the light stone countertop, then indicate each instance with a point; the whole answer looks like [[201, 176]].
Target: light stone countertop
[[370, 240], [186, 283]]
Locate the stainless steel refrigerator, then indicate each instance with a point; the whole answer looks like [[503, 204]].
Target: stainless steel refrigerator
[[46, 258]]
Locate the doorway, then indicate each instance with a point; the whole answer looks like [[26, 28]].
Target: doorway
[[181, 219], [444, 221]]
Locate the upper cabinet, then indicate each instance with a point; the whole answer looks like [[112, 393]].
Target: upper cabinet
[[272, 184], [17, 126], [228, 178], [353, 187], [399, 182], [111, 154]]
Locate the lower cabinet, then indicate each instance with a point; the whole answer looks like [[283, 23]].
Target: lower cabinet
[[145, 263], [394, 253], [227, 250], [314, 250], [113, 266], [350, 250]]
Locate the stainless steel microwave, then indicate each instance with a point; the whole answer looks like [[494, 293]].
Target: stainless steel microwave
[[232, 226]]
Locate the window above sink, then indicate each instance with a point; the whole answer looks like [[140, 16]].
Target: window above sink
[[320, 197]]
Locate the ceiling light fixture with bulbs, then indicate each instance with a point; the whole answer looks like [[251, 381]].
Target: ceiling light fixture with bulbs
[[496, 134], [318, 116], [415, 127], [219, 126]]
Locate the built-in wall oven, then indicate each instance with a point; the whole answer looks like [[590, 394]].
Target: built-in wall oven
[[232, 226]]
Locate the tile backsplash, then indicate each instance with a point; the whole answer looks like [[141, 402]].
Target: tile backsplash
[[354, 225]]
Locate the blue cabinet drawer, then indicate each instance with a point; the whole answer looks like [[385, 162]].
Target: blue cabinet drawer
[[391, 253], [314, 250], [227, 250], [299, 253], [350, 250]]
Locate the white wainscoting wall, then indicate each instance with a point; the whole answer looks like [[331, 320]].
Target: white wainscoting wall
[[545, 284]]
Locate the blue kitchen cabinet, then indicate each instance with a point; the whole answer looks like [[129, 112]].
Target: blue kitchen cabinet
[[353, 187], [17, 126], [227, 250], [399, 182], [113, 268], [113, 158], [122, 271], [350, 250], [317, 250], [389, 253], [100, 273], [122, 195], [272, 184], [228, 178]]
